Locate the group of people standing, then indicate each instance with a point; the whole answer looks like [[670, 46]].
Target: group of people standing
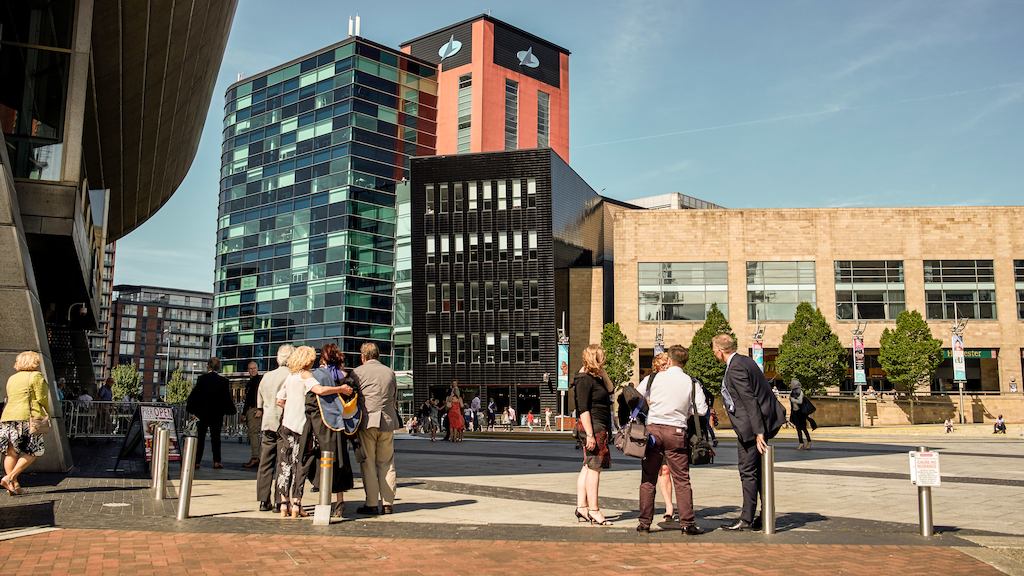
[[290, 427], [666, 400]]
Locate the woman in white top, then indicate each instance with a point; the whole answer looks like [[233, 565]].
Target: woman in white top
[[295, 429]]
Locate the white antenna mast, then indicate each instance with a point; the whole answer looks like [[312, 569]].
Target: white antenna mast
[[357, 24]]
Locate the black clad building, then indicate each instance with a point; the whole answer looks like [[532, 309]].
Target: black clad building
[[493, 238]]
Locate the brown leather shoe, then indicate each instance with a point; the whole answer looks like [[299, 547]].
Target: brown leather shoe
[[387, 509], [217, 465]]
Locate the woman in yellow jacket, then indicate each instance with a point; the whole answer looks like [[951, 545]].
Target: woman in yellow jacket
[[27, 396]]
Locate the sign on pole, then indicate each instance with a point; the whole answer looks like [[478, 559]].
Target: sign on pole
[[859, 376], [757, 353], [924, 468], [563, 366], [959, 365]]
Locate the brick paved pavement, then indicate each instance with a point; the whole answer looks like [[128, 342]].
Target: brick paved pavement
[[88, 552]]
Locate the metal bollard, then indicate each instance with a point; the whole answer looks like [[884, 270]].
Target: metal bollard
[[322, 511], [188, 469], [160, 451], [924, 506], [768, 490]]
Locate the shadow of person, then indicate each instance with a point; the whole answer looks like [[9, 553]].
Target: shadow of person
[[792, 520], [405, 506]]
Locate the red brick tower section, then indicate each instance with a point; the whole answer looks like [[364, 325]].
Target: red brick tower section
[[491, 52]]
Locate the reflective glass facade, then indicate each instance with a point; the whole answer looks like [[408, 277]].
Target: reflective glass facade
[[869, 289], [774, 289], [672, 291], [313, 153], [960, 289]]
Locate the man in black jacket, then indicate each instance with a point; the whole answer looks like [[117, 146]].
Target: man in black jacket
[[756, 417], [210, 401]]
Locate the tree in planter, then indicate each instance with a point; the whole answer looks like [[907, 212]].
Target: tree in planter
[[178, 388], [618, 354], [127, 382], [702, 364], [909, 354], [811, 351]]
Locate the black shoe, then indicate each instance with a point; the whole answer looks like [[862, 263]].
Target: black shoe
[[757, 525], [692, 530], [265, 507], [368, 510], [387, 509], [738, 526], [315, 488], [643, 529]]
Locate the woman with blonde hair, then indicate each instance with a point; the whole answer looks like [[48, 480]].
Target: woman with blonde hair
[[660, 364], [592, 391], [295, 431], [27, 398]]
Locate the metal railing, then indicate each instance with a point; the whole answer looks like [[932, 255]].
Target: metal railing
[[99, 419]]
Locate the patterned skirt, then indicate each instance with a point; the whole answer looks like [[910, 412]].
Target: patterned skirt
[[15, 433]]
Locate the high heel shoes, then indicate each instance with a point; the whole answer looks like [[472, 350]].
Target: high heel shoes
[[602, 521], [582, 517]]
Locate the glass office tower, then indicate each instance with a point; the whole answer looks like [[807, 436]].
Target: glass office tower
[[313, 153]]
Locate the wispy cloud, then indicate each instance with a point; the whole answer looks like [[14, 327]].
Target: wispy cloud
[[1016, 95], [1010, 98]]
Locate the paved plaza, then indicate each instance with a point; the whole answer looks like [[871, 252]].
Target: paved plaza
[[846, 506]]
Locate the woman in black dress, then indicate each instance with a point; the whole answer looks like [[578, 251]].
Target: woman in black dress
[[592, 390], [332, 373]]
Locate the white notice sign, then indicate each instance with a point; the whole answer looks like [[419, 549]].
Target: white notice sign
[[924, 469]]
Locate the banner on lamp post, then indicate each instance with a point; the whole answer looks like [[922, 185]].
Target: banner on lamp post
[[757, 353], [563, 366], [959, 365], [859, 376]]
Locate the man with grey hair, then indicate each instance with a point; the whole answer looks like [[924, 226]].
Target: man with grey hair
[[379, 386], [756, 416], [269, 414]]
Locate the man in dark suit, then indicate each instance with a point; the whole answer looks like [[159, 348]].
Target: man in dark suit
[[756, 417], [210, 401]]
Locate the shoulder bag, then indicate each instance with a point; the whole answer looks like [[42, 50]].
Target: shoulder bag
[[701, 451], [37, 426], [632, 439]]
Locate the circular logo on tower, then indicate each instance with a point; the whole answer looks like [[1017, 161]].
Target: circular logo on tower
[[450, 48]]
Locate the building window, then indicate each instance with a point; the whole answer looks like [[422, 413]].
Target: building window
[[502, 246], [520, 348], [517, 193], [473, 246], [446, 349], [489, 296], [488, 255], [490, 348], [474, 296], [543, 119], [444, 199], [517, 245], [487, 195], [502, 194], [430, 250], [959, 289], [446, 297], [458, 196], [518, 287], [472, 196], [465, 112], [474, 349], [460, 349], [460, 297], [531, 192], [445, 249], [459, 248], [775, 288], [431, 295], [503, 291], [535, 348], [505, 348], [428, 191], [534, 295], [1018, 277], [674, 291], [533, 244], [431, 349], [869, 289], [511, 114]]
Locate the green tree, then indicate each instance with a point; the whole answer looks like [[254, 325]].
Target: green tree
[[702, 364], [618, 354], [127, 382], [909, 354], [811, 351], [178, 388]]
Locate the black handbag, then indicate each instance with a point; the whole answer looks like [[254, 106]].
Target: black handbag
[[701, 450], [633, 438]]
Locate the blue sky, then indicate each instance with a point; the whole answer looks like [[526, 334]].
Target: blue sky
[[789, 103]]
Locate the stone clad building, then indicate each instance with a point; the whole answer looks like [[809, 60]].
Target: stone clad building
[[862, 264]]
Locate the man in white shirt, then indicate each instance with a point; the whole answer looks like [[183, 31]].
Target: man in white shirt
[[269, 414], [671, 398]]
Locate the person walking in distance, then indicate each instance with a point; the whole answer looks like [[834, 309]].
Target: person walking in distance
[[380, 394], [671, 397], [511, 418], [592, 390], [474, 407], [492, 414], [530, 420], [252, 423], [547, 419], [799, 410], [756, 417], [210, 401], [269, 414]]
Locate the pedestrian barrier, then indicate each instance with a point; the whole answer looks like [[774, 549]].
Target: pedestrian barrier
[[105, 419], [768, 490], [188, 470], [161, 453], [322, 512], [924, 506]]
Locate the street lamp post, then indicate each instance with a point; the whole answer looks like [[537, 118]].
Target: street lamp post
[[859, 377], [167, 359], [957, 353]]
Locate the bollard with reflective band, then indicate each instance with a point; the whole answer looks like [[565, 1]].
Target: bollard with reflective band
[[768, 490], [322, 511], [160, 452], [924, 506], [188, 469]]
